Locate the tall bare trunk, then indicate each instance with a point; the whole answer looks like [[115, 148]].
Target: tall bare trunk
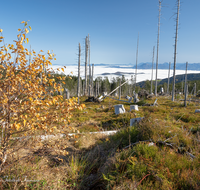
[[175, 49], [158, 47], [89, 79], [120, 89], [136, 62], [186, 87], [92, 79], [79, 64], [152, 70], [86, 62], [168, 78]]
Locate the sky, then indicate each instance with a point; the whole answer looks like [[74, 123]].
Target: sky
[[113, 26]]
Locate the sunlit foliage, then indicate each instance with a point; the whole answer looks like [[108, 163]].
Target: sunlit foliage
[[27, 99]]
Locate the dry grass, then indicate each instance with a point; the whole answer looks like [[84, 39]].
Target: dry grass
[[101, 162]]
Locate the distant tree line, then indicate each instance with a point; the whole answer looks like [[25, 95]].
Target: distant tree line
[[106, 85]]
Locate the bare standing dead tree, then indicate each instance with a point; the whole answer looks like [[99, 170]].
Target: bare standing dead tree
[[89, 79], [186, 87], [175, 50], [86, 62], [136, 63], [168, 78], [79, 64], [92, 79], [89, 66], [120, 89], [158, 47], [152, 70], [195, 89]]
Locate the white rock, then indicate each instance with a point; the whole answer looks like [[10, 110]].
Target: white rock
[[119, 108], [134, 107], [197, 111]]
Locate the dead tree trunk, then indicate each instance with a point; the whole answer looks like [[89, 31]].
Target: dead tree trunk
[[92, 79], [186, 85], [89, 66], [79, 64], [120, 89], [89, 80], [97, 88], [116, 89], [152, 70], [175, 48], [136, 63], [158, 47], [132, 85], [168, 78], [86, 62], [182, 85]]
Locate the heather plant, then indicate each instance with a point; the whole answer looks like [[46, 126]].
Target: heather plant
[[147, 167]]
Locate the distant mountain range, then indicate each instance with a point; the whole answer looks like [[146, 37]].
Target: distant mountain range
[[179, 66]]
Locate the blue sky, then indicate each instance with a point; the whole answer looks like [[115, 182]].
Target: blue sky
[[113, 26]]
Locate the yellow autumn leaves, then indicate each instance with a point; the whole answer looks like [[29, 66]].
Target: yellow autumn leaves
[[28, 92], [27, 88]]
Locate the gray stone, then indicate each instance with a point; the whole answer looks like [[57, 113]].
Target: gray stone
[[134, 107], [197, 111], [119, 108]]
